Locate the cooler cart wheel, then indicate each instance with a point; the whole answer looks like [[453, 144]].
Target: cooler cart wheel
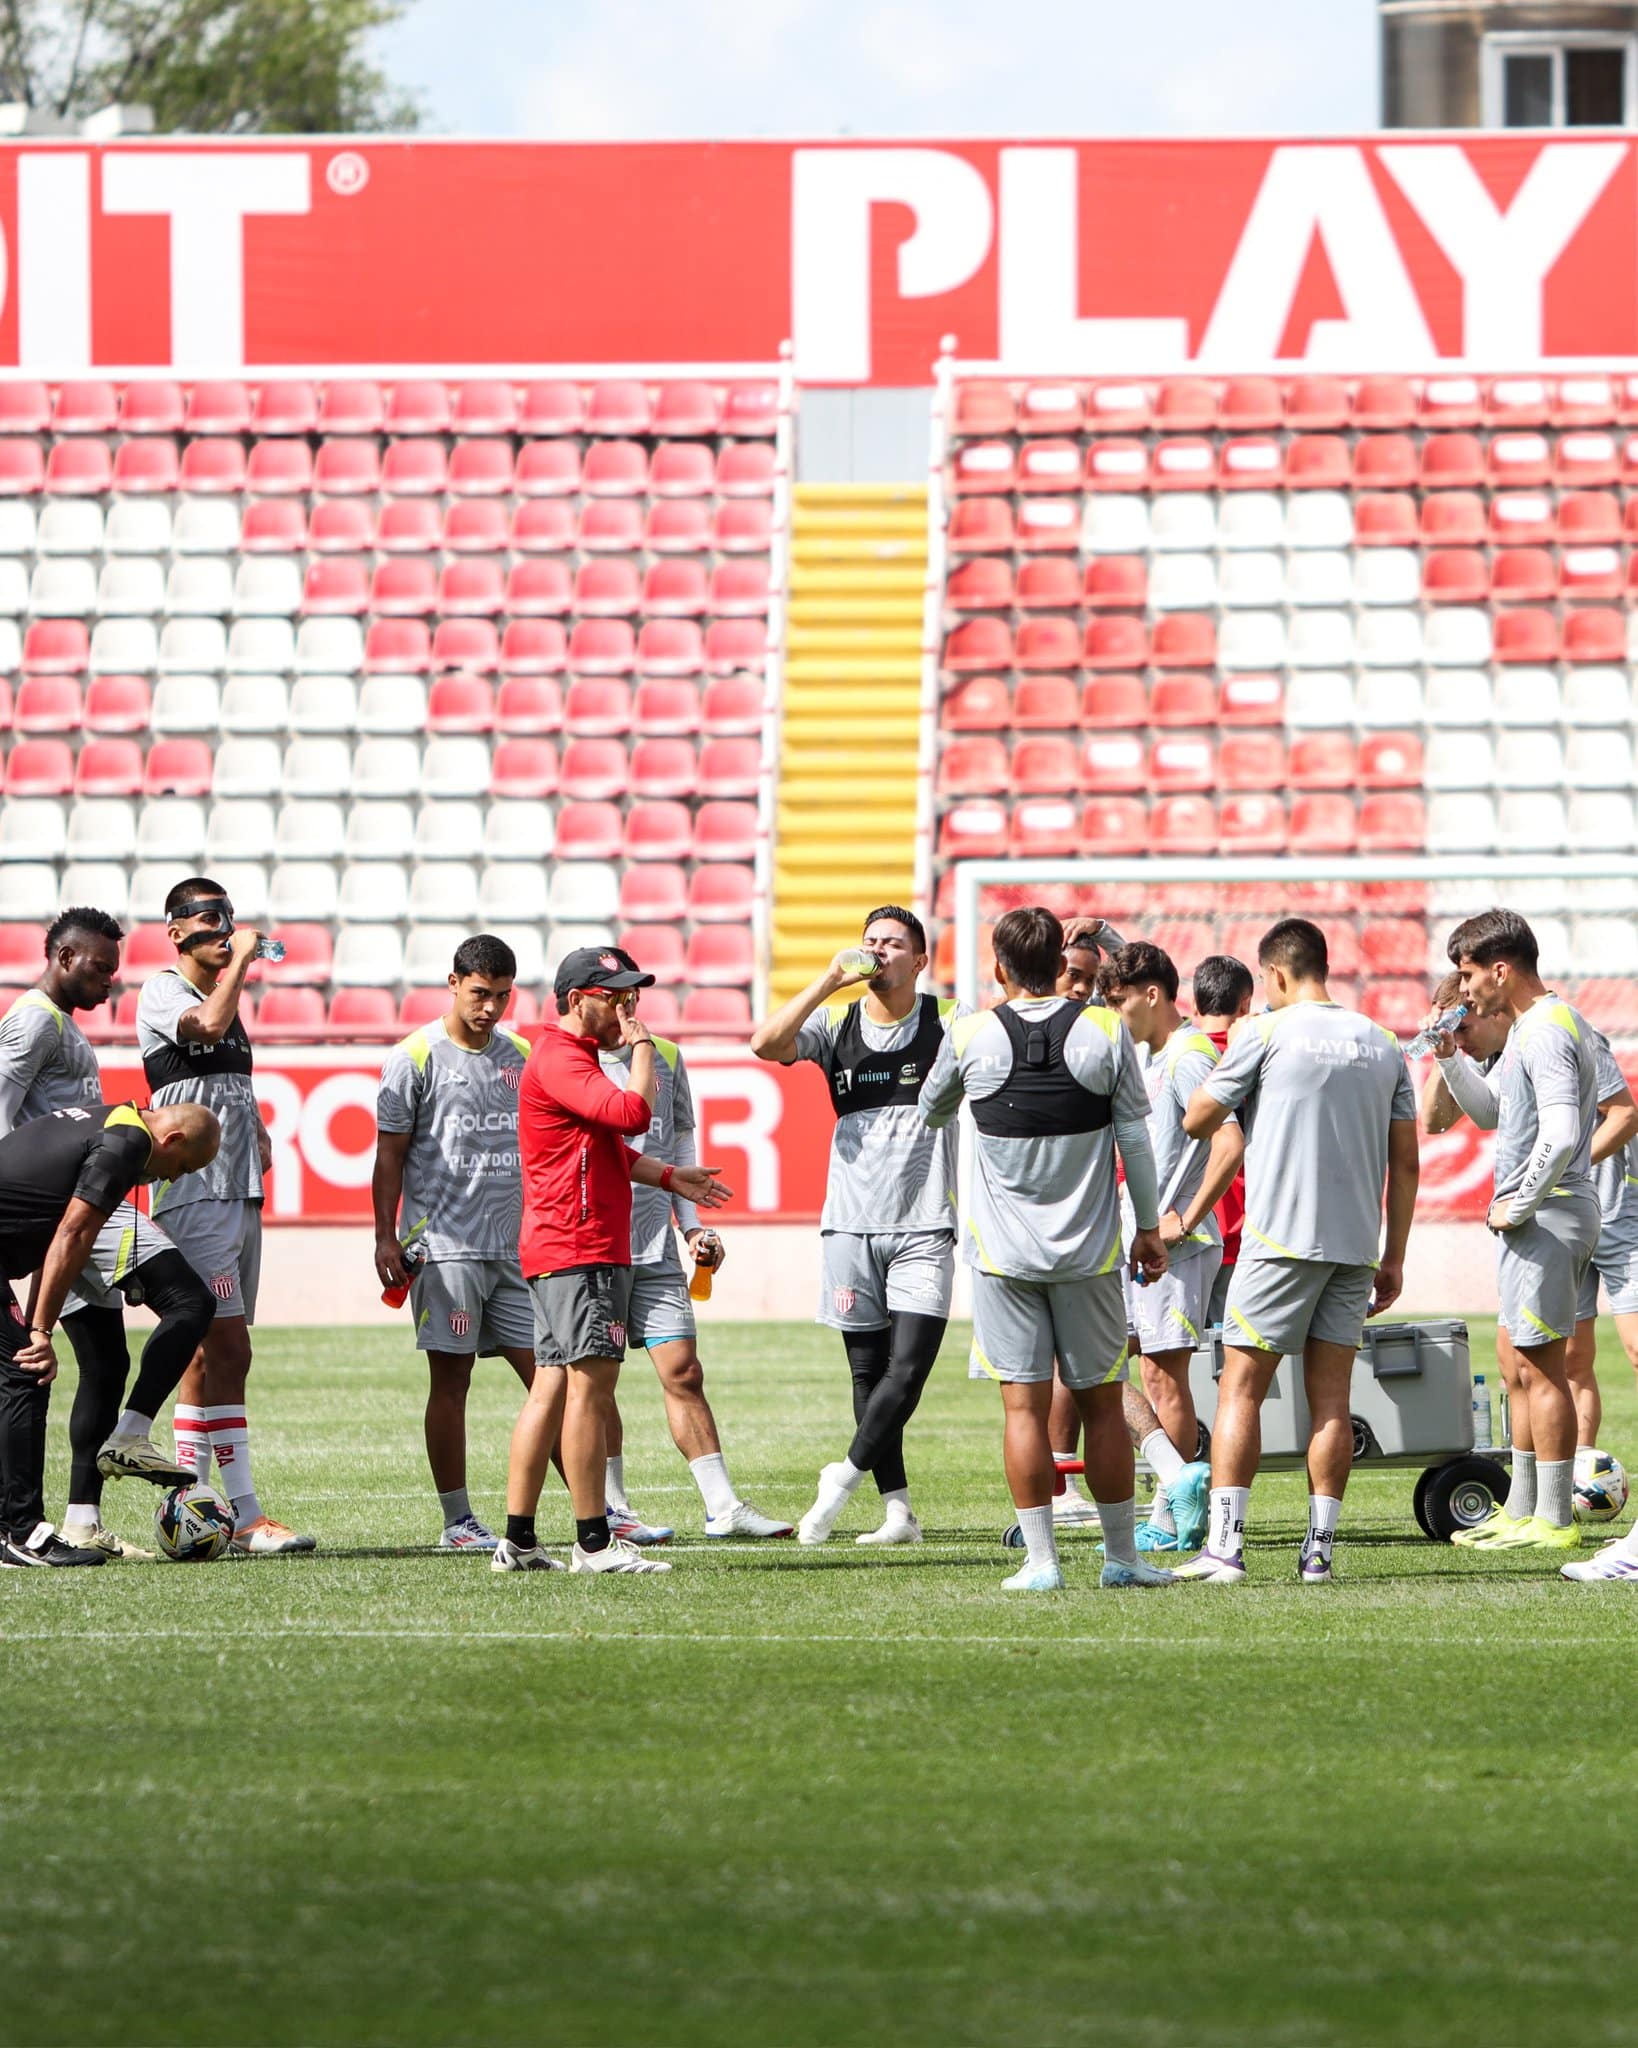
[[1013, 1539], [1460, 1494], [1419, 1500], [1202, 1443]]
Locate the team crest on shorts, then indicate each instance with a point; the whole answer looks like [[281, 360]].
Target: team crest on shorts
[[844, 1298], [221, 1286], [459, 1322], [617, 1336]]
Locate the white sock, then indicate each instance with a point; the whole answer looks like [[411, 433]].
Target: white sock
[[192, 1434], [1165, 1460], [455, 1504], [81, 1514], [1323, 1515], [132, 1424], [230, 1443], [1228, 1521], [843, 1476], [614, 1483], [716, 1488], [1039, 1541], [1554, 1479], [1521, 1494], [1160, 1511], [1119, 1519], [896, 1505]]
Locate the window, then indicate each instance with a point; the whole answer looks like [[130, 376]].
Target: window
[[1571, 81]]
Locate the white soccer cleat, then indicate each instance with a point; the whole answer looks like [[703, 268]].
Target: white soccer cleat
[[620, 1556], [114, 1548], [1035, 1578], [1611, 1566], [627, 1526], [1314, 1569], [511, 1557], [139, 1457], [816, 1525], [744, 1520], [1212, 1570], [1072, 1510], [468, 1534], [898, 1526], [1118, 1573], [266, 1538]]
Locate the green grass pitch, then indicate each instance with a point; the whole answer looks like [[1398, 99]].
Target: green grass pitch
[[787, 1799]]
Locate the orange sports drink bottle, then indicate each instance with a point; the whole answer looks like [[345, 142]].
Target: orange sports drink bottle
[[705, 1246]]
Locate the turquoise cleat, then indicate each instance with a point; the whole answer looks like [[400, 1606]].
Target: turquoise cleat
[[1190, 1496], [1150, 1536], [1139, 1574]]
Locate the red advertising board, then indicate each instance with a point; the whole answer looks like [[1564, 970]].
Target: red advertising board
[[1064, 257]]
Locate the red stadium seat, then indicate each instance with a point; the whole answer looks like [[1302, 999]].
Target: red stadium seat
[[751, 410], [351, 405], [548, 469], [85, 406], [675, 647], [1045, 767], [671, 768], [147, 950], [108, 768], [529, 768], [745, 528], [982, 584], [1119, 408], [1112, 581], [587, 831], [1184, 465], [611, 526], [716, 1013], [1384, 520], [143, 468], [336, 586], [607, 589], [1182, 699], [1450, 402], [984, 468], [1116, 641], [1185, 405], [408, 526], [354, 1013], [1044, 643], [732, 704], [1322, 760], [1323, 824], [460, 704], [1251, 405], [1455, 576], [1524, 576], [977, 525], [218, 406], [1113, 703], [475, 526], [1589, 518], [1517, 402], [278, 526], [1317, 462], [552, 407], [725, 831], [1453, 519], [39, 768], [1252, 822], [471, 589], [720, 894], [1185, 640], [307, 957], [972, 767], [1522, 461], [1114, 825], [1317, 404], [47, 704], [1390, 760], [721, 956], [180, 767], [1045, 704], [1585, 401], [1587, 461], [1251, 700], [79, 469], [682, 469], [676, 588], [658, 950], [1050, 409], [279, 469], [397, 647], [656, 894], [620, 405], [688, 407], [1385, 462], [1458, 461], [1184, 824], [1042, 828], [1253, 463], [1394, 946], [538, 588], [25, 407], [1178, 765], [1392, 822], [1521, 519], [1112, 765], [666, 708], [415, 469], [1526, 636], [1384, 402], [678, 526], [601, 647], [982, 408], [481, 469], [1117, 465], [1251, 760], [299, 1013], [22, 468], [1595, 635], [655, 830], [404, 588], [420, 405], [22, 950], [739, 590], [615, 469], [978, 644], [544, 526], [466, 644], [528, 706], [981, 705], [116, 704], [597, 707], [534, 647], [1049, 465], [55, 647]]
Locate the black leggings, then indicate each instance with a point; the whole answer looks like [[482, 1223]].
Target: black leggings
[[23, 1405], [889, 1369], [185, 1307]]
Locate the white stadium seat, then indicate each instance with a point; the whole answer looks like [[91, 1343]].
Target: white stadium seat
[[380, 832], [206, 526], [261, 647], [171, 828], [1183, 521], [373, 892], [28, 893], [583, 890], [63, 587], [246, 768], [1459, 696], [1255, 578], [131, 586], [302, 892], [200, 587], [1529, 760], [190, 647], [1251, 519], [519, 831], [448, 830], [513, 892], [444, 891], [138, 526], [369, 956], [1458, 760], [1319, 702], [267, 586], [102, 882], [70, 526], [323, 704], [239, 830], [255, 704], [186, 704], [391, 704], [102, 828], [310, 828], [1390, 700], [317, 768], [386, 767]]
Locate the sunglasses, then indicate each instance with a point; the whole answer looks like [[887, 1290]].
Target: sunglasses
[[621, 998]]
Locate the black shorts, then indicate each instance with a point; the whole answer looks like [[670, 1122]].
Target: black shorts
[[580, 1314]]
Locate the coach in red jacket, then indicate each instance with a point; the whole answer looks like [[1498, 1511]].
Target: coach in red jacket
[[576, 1237]]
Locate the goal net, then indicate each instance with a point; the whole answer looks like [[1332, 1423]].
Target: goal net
[[1386, 918]]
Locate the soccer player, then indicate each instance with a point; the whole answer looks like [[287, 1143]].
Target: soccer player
[[1222, 996], [1482, 1039], [195, 1049], [887, 1230], [576, 1240], [657, 1310], [447, 1181], [1169, 1317], [62, 1175], [1542, 1103], [1053, 1088], [1332, 1119]]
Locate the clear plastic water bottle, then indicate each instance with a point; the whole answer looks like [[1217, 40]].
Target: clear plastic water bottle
[[1482, 1437], [1423, 1042], [862, 961], [269, 949]]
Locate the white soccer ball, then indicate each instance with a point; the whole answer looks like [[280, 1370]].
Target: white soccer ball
[[1601, 1493], [192, 1524]]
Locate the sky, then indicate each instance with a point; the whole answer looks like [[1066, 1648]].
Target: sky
[[613, 70]]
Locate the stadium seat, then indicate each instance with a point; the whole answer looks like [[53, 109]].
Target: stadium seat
[[1392, 822], [117, 704], [528, 706], [677, 589], [1323, 824], [36, 768], [529, 768], [716, 1013], [1045, 703], [108, 767], [1251, 761], [474, 526], [1252, 823]]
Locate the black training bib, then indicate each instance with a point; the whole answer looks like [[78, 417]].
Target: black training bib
[[861, 1078], [1040, 1098]]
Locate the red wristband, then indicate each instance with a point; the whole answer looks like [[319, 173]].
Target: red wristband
[[665, 1178]]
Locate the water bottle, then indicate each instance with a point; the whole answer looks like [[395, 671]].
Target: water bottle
[[268, 949], [861, 961], [1423, 1041], [415, 1257], [1482, 1438]]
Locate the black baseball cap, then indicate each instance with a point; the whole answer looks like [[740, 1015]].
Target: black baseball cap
[[598, 967]]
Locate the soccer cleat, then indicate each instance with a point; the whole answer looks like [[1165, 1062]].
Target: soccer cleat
[[1534, 1534], [744, 1520], [467, 1534], [1151, 1536], [895, 1528], [114, 1548], [1315, 1570], [511, 1557], [43, 1546], [627, 1526], [816, 1525], [1190, 1496], [1611, 1564], [1072, 1510], [620, 1556], [1496, 1523], [1212, 1570], [1035, 1578], [139, 1457], [266, 1538], [1116, 1573]]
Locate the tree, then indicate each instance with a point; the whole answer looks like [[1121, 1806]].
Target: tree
[[208, 67]]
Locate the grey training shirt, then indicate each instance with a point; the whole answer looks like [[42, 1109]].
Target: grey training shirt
[[463, 1184], [46, 1062]]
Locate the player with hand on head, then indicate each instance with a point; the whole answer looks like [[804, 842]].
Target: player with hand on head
[[888, 1225], [575, 1250], [1330, 1122], [659, 1314], [1053, 1088], [1542, 1102], [1222, 996], [62, 1175], [1170, 1317], [195, 1049], [448, 1197]]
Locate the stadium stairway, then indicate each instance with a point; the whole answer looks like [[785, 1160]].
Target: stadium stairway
[[845, 832]]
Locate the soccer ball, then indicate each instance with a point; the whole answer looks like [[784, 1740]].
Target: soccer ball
[[1601, 1493], [193, 1523]]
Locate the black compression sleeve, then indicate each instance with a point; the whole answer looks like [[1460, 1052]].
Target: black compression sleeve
[[878, 1443], [98, 1339]]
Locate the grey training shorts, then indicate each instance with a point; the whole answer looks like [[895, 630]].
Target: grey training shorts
[[222, 1242], [1278, 1304], [126, 1241], [866, 1277], [462, 1306], [578, 1314], [1173, 1312], [1021, 1326], [1540, 1268], [656, 1304], [1619, 1273]]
